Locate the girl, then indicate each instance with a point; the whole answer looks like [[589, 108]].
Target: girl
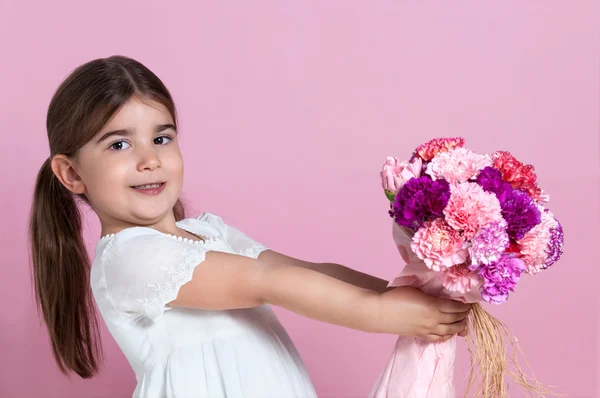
[[186, 299]]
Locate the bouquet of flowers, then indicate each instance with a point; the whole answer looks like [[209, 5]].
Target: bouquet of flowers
[[468, 227]]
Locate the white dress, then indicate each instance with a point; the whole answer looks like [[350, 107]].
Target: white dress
[[185, 353]]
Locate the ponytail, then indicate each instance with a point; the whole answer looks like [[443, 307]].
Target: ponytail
[[61, 271], [179, 210]]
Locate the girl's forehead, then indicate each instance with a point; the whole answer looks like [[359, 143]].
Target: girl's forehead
[[139, 112]]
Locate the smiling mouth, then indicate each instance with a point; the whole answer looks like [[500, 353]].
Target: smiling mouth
[[149, 186]]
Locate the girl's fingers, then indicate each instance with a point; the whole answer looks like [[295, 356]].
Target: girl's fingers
[[451, 306], [436, 338], [450, 328], [454, 317]]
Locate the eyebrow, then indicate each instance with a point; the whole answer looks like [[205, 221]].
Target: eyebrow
[[127, 132]]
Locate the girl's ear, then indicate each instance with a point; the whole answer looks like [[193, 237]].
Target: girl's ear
[[64, 170]]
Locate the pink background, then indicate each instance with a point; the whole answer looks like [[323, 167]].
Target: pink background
[[294, 105]]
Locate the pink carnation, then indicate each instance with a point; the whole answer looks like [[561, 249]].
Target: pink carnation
[[438, 245], [471, 208], [535, 242], [395, 173], [460, 279], [457, 165]]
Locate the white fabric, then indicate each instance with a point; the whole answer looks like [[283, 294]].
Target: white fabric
[[184, 353]]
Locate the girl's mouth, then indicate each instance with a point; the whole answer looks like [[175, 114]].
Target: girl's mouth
[[150, 189]]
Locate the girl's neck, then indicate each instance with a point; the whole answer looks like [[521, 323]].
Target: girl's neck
[[166, 225]]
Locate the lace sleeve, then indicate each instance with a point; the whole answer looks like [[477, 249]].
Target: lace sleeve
[[144, 270], [241, 243]]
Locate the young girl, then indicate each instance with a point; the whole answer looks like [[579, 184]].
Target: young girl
[[186, 299]]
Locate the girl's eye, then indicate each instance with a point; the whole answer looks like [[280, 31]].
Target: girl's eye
[[162, 140], [119, 145]]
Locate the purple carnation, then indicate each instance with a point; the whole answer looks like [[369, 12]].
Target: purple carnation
[[555, 245], [420, 199], [490, 180], [488, 244], [500, 278], [518, 209], [520, 212]]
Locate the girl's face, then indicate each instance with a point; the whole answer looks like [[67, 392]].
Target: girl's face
[[132, 169]]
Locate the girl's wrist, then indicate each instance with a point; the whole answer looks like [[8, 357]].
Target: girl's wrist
[[373, 318]]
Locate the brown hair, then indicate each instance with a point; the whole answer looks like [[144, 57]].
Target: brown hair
[[81, 106]]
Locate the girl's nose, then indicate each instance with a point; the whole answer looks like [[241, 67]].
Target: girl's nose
[[149, 160]]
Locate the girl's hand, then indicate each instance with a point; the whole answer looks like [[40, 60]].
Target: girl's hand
[[409, 312]]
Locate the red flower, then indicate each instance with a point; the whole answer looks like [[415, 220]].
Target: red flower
[[514, 247], [431, 148], [518, 175]]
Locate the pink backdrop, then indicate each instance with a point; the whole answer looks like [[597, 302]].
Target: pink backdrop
[[294, 105]]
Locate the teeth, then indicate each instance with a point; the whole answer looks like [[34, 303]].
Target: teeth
[[149, 186]]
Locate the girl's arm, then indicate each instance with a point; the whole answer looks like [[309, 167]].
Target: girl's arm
[[227, 281], [336, 271]]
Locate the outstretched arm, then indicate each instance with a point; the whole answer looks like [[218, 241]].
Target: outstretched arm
[[243, 244], [226, 281], [337, 271]]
